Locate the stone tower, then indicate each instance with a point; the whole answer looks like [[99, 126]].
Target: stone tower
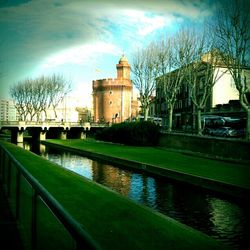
[[112, 97]]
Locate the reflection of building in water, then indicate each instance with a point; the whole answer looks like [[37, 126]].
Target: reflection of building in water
[[23, 145], [143, 190], [42, 148], [115, 178], [224, 216]]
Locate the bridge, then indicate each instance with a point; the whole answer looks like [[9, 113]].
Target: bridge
[[39, 129]]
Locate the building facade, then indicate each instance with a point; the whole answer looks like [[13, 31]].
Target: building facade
[[224, 98], [7, 110], [112, 98]]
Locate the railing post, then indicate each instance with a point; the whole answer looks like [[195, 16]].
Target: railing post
[[18, 176], [8, 178], [34, 220], [1, 162], [3, 167]]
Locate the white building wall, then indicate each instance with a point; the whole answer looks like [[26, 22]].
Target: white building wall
[[65, 111], [224, 89], [7, 110]]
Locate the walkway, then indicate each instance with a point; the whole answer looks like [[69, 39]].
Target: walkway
[[9, 236]]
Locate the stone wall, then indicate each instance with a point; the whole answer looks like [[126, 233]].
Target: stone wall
[[231, 149]]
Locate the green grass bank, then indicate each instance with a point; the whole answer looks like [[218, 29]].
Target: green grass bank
[[227, 177], [113, 221]]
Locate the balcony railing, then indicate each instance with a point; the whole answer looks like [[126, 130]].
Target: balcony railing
[[43, 223]]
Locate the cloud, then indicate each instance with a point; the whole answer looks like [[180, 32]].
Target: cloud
[[42, 27], [145, 22], [84, 54], [54, 33]]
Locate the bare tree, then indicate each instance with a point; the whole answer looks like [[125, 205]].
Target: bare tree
[[144, 69], [205, 68], [172, 54], [57, 88], [202, 75], [34, 96], [20, 95], [232, 29]]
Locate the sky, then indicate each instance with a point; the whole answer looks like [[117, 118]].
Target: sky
[[83, 40]]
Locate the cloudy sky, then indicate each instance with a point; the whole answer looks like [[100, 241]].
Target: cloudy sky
[[84, 39]]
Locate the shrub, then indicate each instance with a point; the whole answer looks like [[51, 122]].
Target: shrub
[[144, 133]]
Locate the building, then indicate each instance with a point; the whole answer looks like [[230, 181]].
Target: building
[[67, 110], [224, 94], [84, 114], [113, 98], [7, 110]]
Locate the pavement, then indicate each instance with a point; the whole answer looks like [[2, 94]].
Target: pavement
[[9, 236]]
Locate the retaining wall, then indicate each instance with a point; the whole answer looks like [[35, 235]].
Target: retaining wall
[[234, 149]]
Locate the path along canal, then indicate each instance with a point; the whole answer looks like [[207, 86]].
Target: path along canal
[[223, 219]]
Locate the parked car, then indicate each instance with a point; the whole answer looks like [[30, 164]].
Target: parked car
[[226, 132], [241, 132], [212, 121], [209, 131]]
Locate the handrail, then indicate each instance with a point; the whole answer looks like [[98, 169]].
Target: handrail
[[82, 238]]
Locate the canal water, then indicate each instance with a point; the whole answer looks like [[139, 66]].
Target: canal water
[[223, 219]]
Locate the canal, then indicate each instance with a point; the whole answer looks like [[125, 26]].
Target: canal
[[223, 219]]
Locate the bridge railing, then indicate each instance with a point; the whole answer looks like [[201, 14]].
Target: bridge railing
[[48, 123], [43, 223], [9, 123]]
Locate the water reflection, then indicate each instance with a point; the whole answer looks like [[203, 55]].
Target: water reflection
[[72, 162], [227, 218], [143, 190], [219, 218]]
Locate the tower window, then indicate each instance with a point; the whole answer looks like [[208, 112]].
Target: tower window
[[111, 92], [110, 102]]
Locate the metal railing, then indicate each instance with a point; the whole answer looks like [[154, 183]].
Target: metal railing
[[41, 220]]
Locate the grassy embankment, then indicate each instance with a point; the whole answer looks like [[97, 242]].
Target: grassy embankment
[[114, 221], [230, 173]]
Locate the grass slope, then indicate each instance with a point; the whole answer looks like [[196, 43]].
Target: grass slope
[[114, 221]]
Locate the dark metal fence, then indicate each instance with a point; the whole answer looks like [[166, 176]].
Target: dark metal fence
[[42, 221]]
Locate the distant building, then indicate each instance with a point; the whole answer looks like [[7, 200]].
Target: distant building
[[113, 98], [84, 114], [65, 111], [7, 110], [224, 94]]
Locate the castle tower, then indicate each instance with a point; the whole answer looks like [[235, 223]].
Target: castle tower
[[123, 68], [112, 97]]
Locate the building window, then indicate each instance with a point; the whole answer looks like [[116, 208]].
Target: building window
[[110, 102], [111, 92]]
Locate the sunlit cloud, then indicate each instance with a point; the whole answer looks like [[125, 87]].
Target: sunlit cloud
[[62, 36], [146, 22], [81, 54]]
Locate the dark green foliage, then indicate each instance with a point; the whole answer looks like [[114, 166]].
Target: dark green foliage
[[144, 133]]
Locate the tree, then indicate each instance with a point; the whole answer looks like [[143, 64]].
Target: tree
[[20, 95], [232, 30], [144, 69], [205, 68], [57, 89], [34, 96], [172, 55]]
